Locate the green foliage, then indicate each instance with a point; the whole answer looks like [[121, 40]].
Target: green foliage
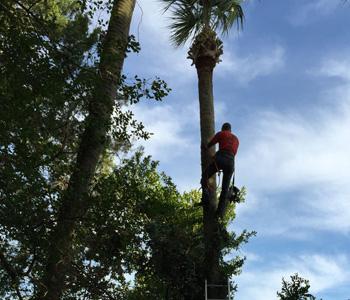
[[297, 289], [172, 235], [226, 13], [41, 105], [138, 226], [112, 241], [48, 67], [190, 17]]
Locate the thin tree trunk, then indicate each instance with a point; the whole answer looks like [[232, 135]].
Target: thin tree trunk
[[205, 66], [93, 142], [206, 12]]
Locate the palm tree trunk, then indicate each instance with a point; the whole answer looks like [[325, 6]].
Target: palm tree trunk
[[206, 12], [93, 142], [205, 66]]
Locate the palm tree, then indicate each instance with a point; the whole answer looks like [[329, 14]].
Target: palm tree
[[91, 146], [200, 19]]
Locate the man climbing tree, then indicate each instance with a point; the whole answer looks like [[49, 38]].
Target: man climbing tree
[[200, 21], [223, 160]]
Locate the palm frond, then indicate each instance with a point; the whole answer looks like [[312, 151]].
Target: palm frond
[[186, 19], [226, 13], [168, 4]]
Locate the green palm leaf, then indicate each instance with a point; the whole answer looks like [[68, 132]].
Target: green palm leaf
[[225, 14], [187, 18]]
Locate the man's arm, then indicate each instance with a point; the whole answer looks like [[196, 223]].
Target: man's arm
[[212, 142]]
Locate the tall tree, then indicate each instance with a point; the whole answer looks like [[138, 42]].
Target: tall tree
[[296, 289], [47, 89], [74, 204], [200, 19], [40, 102]]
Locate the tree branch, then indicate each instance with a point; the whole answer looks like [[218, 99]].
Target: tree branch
[[12, 272]]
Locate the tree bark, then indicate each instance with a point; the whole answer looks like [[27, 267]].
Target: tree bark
[[205, 66], [92, 144]]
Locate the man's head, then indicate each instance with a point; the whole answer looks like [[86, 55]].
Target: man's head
[[226, 126]]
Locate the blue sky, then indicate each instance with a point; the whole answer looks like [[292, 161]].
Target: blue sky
[[284, 85]]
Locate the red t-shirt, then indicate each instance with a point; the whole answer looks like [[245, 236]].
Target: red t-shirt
[[227, 141]]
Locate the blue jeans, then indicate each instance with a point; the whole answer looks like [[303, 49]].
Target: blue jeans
[[225, 162]]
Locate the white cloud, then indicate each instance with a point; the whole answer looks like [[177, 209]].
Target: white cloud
[[312, 10], [168, 124], [339, 68], [247, 68], [301, 157], [323, 272], [291, 151]]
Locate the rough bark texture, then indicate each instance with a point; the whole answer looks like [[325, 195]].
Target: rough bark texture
[[92, 144], [207, 125], [205, 53]]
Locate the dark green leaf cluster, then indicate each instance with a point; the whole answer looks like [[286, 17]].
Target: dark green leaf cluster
[[133, 90], [94, 8], [42, 102], [296, 289], [138, 227], [48, 69], [112, 241], [133, 45]]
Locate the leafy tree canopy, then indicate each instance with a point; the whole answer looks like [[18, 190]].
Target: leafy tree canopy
[[139, 225], [48, 64], [296, 289]]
